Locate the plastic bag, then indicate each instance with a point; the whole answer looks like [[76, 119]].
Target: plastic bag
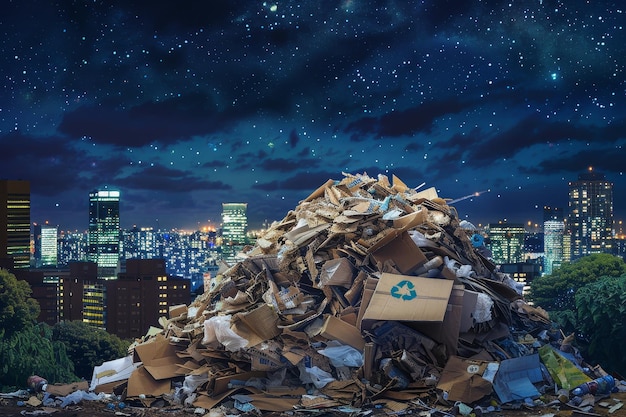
[[217, 328], [482, 312], [314, 375], [343, 355]]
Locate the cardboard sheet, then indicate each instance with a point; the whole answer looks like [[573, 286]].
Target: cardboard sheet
[[409, 298], [159, 358], [112, 371]]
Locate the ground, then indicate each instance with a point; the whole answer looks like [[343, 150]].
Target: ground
[[9, 407]]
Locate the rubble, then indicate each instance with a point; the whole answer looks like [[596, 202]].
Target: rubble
[[369, 294]]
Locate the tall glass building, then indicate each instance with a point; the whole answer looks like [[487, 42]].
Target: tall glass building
[[553, 230], [590, 216], [234, 229], [506, 242], [15, 222], [103, 239], [46, 250]]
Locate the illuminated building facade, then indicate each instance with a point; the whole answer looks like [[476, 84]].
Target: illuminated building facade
[[15, 222], [234, 229], [553, 231], [46, 249], [103, 239], [590, 217], [506, 242]]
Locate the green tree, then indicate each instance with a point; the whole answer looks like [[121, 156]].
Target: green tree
[[88, 346], [556, 292], [31, 351], [601, 314], [17, 308]]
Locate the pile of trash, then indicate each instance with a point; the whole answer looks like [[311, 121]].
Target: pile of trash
[[369, 294]]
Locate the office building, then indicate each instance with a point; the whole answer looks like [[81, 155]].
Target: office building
[[506, 242], [45, 241], [553, 231], [104, 232], [141, 295], [15, 222], [590, 216], [234, 230]]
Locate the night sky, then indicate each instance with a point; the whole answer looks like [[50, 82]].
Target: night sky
[[184, 105]]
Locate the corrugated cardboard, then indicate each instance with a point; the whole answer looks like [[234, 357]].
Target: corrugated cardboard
[[141, 382], [401, 249], [447, 331], [409, 298], [462, 380], [159, 358], [337, 329], [398, 246], [338, 271], [256, 326]]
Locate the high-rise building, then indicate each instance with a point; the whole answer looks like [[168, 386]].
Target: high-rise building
[[104, 232], [141, 295], [234, 229], [590, 216], [506, 241], [46, 251], [15, 222], [553, 230]]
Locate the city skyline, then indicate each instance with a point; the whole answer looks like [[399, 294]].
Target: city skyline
[[182, 107]]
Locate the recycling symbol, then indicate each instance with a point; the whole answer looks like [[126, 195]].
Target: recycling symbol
[[404, 290]]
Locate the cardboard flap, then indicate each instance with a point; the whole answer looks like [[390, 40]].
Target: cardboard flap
[[141, 382], [159, 358]]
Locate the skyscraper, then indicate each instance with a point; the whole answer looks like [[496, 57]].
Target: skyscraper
[[104, 232], [15, 222], [590, 217], [506, 242], [45, 238], [234, 229], [553, 229]]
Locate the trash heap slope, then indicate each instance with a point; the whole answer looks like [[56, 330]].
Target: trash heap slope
[[367, 290]]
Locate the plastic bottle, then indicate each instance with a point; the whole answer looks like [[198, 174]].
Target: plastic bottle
[[602, 385], [37, 383]]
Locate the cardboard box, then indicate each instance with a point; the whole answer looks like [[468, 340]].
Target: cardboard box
[[337, 329], [462, 380], [398, 246], [400, 249], [409, 298]]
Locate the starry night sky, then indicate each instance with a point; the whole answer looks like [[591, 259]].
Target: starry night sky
[[184, 105]]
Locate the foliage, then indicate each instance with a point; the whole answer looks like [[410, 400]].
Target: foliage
[[556, 291], [17, 308], [31, 351], [601, 308], [88, 346]]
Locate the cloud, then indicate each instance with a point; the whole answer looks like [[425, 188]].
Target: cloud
[[418, 119], [160, 178], [605, 160], [301, 181], [60, 166], [165, 122], [288, 165]]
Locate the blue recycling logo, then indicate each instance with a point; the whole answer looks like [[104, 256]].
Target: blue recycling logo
[[404, 290]]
